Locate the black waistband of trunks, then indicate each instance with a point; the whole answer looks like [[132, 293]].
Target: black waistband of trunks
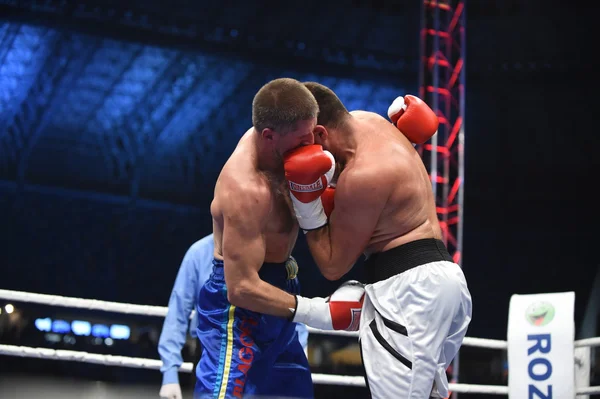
[[383, 265]]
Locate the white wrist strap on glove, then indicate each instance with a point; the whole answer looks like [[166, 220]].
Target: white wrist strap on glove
[[395, 107], [313, 312], [310, 216]]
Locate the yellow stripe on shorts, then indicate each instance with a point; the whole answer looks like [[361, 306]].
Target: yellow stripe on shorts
[[228, 353]]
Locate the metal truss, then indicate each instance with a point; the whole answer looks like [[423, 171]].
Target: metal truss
[[442, 80]]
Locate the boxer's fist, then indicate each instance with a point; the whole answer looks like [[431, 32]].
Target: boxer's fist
[[345, 305], [309, 170], [341, 311], [327, 200], [414, 118]]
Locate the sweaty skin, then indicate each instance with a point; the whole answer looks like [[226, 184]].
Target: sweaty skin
[[254, 222], [383, 196]]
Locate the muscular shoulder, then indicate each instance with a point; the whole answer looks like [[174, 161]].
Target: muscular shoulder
[[364, 182], [367, 115], [243, 197]]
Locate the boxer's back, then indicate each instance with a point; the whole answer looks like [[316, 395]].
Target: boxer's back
[[240, 175], [409, 213]]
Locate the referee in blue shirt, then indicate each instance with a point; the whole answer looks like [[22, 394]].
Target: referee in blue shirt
[[193, 272]]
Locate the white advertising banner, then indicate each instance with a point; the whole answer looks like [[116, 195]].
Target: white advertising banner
[[541, 330]]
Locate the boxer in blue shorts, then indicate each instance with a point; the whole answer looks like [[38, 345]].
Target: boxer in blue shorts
[[246, 308], [257, 354]]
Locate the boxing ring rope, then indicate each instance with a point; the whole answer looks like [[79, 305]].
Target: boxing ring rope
[[152, 364], [80, 303], [159, 311]]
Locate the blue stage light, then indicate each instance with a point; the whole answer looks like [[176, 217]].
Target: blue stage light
[[80, 327], [100, 331], [61, 327], [118, 331], [43, 324]]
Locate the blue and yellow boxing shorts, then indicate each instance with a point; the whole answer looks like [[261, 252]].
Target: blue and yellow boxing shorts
[[245, 353]]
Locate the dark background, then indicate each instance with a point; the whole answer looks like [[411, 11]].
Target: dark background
[[116, 117]]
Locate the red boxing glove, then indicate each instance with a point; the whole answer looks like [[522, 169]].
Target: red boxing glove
[[414, 118], [327, 200], [345, 306], [309, 170], [341, 311]]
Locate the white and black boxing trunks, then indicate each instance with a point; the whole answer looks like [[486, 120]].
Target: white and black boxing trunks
[[415, 315]]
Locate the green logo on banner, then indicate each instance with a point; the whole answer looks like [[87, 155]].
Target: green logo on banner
[[539, 313]]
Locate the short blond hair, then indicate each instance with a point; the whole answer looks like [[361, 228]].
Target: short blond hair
[[281, 104]]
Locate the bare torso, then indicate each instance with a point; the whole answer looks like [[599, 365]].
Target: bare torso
[[409, 213], [280, 228]]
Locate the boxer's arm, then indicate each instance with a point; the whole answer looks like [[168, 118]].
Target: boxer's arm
[[359, 200], [244, 249]]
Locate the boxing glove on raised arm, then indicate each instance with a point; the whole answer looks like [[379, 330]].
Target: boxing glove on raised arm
[[413, 117], [309, 170], [340, 311]]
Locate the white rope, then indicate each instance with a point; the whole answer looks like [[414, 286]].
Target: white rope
[[335, 332], [85, 357], [145, 310], [56, 300], [588, 342], [161, 311], [588, 390], [331, 379], [472, 388], [359, 381], [485, 343], [468, 341], [152, 364]]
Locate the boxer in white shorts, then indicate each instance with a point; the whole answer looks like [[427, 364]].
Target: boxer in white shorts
[[412, 322], [416, 307]]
